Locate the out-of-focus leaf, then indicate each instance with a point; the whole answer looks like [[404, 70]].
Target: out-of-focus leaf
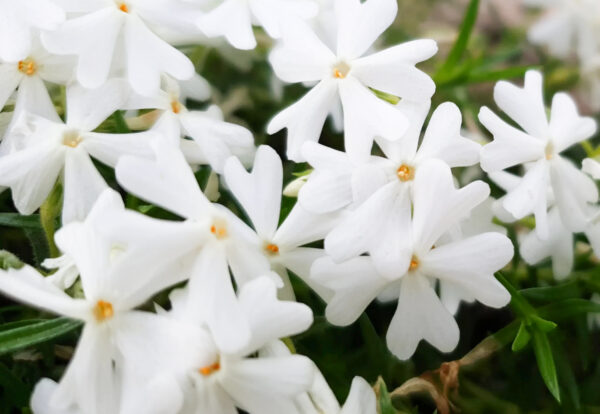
[[568, 308], [18, 338], [522, 338], [494, 75], [39, 244], [553, 293], [393, 99], [462, 40], [566, 377], [15, 390], [545, 361], [120, 123], [542, 324], [17, 220]]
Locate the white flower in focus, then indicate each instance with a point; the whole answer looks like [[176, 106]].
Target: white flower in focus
[[539, 149], [215, 139], [49, 148], [382, 189], [19, 22], [215, 380], [234, 18], [347, 75], [469, 264], [113, 286], [223, 241], [320, 398], [107, 33], [567, 25], [28, 75], [259, 193]]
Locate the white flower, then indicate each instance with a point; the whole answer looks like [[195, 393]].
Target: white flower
[[591, 167], [567, 25], [49, 148], [223, 241], [109, 33], [539, 148], [345, 75], [216, 140], [113, 286], [19, 22], [215, 380], [28, 75], [259, 193], [234, 18], [382, 189], [469, 264], [320, 398]]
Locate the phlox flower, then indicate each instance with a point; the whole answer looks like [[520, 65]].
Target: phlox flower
[[215, 139], [114, 280], [215, 380], [538, 148], [320, 399], [222, 238], [591, 167], [47, 148], [259, 193], [469, 264], [346, 75], [28, 74], [108, 33], [382, 189], [233, 19], [20, 22], [567, 25]]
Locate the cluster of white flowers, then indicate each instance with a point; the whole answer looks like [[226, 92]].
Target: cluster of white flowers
[[396, 226]]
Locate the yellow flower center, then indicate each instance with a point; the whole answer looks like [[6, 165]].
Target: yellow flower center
[[272, 248], [72, 139], [414, 264], [219, 229], [27, 66], [341, 70], [176, 106], [405, 173], [103, 311], [210, 369], [123, 7], [549, 151]]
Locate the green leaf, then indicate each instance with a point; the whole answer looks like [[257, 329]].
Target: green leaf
[[39, 244], [542, 324], [568, 308], [462, 40], [17, 220], [545, 361], [393, 99], [494, 75], [565, 373], [21, 337], [120, 123], [15, 390], [385, 402], [553, 293], [522, 338]]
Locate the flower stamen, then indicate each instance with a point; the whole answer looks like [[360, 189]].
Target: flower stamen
[[176, 106], [123, 7], [219, 230], [210, 369], [72, 139], [103, 311], [27, 66], [341, 70], [414, 264], [272, 248], [405, 173]]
